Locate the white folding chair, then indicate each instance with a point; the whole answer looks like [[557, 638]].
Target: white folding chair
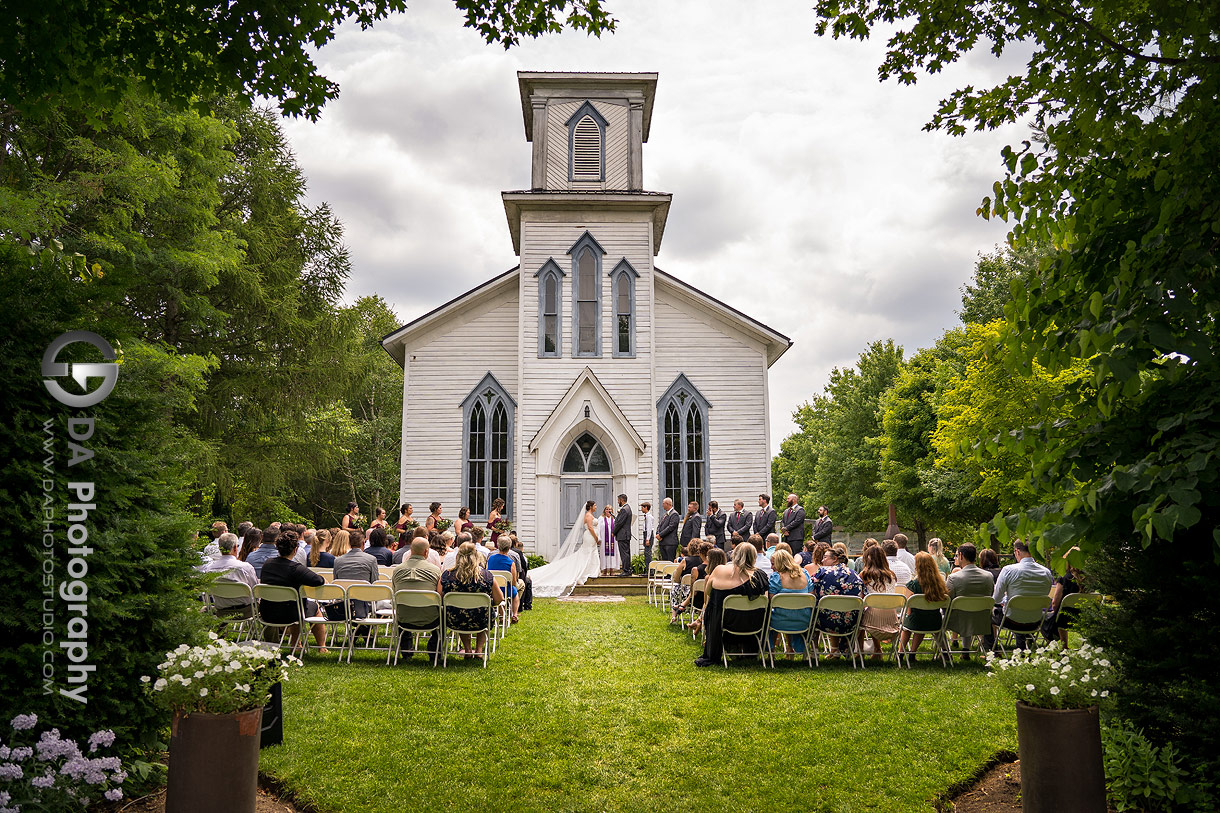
[[279, 594], [937, 636], [223, 588], [694, 607], [373, 624], [666, 584], [965, 606], [326, 573], [792, 601], [466, 601], [841, 604], [887, 601], [324, 595], [743, 604], [418, 600], [1023, 610], [654, 579]]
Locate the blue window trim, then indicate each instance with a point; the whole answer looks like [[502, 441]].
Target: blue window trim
[[491, 392], [586, 109], [587, 241], [693, 400], [550, 269], [625, 270]]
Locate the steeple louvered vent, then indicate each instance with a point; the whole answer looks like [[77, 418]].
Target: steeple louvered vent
[[587, 150]]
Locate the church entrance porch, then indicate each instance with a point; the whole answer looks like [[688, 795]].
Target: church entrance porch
[[585, 476]]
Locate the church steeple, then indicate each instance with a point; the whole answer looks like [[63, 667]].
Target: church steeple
[[587, 129]]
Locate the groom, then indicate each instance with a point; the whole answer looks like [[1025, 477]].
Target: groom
[[622, 533]]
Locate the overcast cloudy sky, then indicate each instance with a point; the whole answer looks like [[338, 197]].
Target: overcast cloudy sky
[[805, 191]]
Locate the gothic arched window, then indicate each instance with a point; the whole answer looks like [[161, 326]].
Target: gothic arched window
[[550, 294], [587, 256], [488, 416], [586, 144], [683, 465], [622, 293]]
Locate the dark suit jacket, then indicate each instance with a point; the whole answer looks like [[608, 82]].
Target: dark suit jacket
[[622, 524], [690, 529], [740, 526], [667, 528], [764, 521], [713, 525], [793, 523], [823, 527]]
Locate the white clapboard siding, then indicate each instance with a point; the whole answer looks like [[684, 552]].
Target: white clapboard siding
[[616, 146], [442, 369], [730, 370], [545, 381]]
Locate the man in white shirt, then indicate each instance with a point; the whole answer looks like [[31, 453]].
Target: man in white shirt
[[231, 569], [450, 561], [649, 527], [905, 555], [902, 572], [763, 560], [1025, 578]]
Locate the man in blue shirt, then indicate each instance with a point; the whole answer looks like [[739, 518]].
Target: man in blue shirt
[[1025, 578], [264, 551]]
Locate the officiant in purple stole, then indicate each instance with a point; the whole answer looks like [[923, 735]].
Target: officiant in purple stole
[[608, 547]]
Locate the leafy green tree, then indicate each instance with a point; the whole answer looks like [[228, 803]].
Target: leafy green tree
[[81, 53], [139, 579], [1122, 180], [839, 441], [990, 289]]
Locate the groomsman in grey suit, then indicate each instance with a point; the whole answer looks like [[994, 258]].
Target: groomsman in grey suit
[[667, 531], [691, 524], [764, 517], [622, 533], [649, 535], [794, 524], [740, 521], [714, 524]]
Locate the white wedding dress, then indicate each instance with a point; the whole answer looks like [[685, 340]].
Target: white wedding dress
[[577, 561]]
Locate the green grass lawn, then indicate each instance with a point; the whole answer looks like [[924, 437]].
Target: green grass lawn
[[599, 707]]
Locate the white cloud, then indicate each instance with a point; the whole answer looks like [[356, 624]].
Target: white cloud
[[805, 192]]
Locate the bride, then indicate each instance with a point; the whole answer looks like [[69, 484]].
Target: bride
[[577, 560]]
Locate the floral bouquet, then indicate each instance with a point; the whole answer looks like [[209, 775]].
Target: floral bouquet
[[54, 773], [410, 527], [502, 526], [443, 525], [1054, 677], [220, 678]]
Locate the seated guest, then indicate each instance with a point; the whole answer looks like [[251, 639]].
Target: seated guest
[[451, 541], [357, 566], [692, 564], [819, 554], [377, 548], [1025, 578], [989, 560], [417, 573], [841, 547], [835, 578], [857, 564], [467, 576], [736, 539], [518, 551], [970, 580], [788, 577], [805, 557], [356, 539], [937, 549], [340, 543], [715, 558], [901, 542], [903, 573], [404, 545], [762, 560], [284, 570], [502, 560], [929, 582], [436, 545], [231, 569], [266, 550], [481, 547], [878, 623], [307, 537], [1056, 623], [250, 543], [321, 556], [741, 578]]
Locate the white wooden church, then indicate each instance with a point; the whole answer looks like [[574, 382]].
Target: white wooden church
[[586, 370]]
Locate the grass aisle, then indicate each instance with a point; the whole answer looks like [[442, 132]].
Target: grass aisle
[[599, 707]]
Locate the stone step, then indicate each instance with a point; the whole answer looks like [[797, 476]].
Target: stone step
[[613, 586]]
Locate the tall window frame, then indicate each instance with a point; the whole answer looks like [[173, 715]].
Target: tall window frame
[[489, 416], [622, 297], [683, 446], [587, 132], [587, 256], [550, 309]]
